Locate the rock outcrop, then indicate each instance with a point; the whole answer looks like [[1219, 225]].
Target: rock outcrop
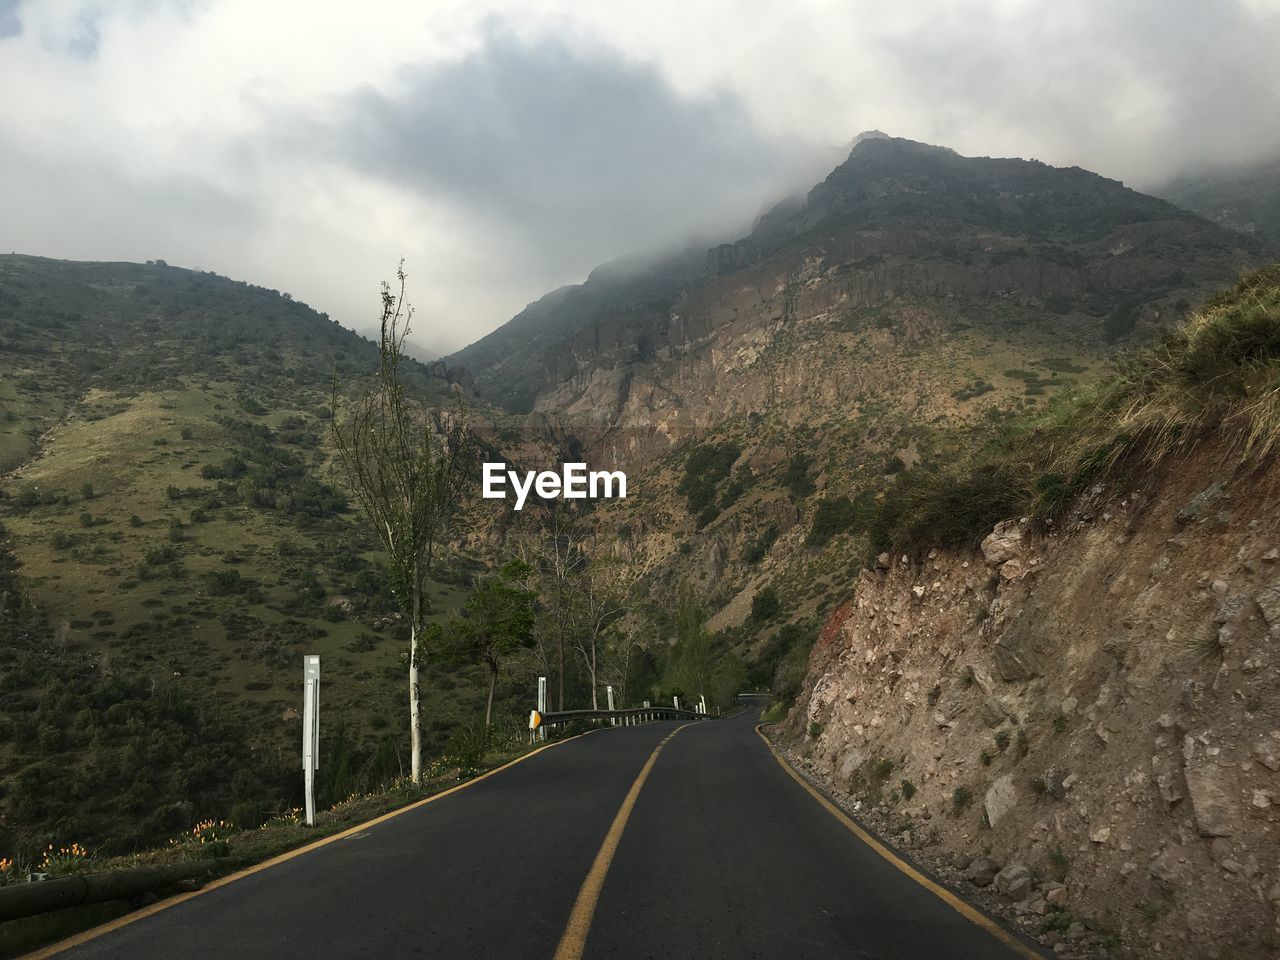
[[1112, 713]]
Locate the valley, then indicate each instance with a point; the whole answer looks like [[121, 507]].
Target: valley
[[820, 425]]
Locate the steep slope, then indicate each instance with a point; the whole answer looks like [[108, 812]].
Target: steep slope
[[513, 364], [1087, 702], [173, 505]]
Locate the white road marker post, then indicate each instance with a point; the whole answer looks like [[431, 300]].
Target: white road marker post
[[646, 718], [676, 701], [542, 705], [310, 732], [702, 704], [608, 692]]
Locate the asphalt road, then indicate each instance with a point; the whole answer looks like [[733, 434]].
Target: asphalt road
[[723, 855]]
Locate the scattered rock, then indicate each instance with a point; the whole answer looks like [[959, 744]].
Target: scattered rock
[[1267, 751], [1166, 869], [1100, 835], [1055, 783], [982, 872], [1015, 881], [1002, 796], [1003, 543], [994, 712], [882, 562], [1015, 653], [1210, 804], [1012, 570], [1056, 896], [1198, 505], [1268, 601]]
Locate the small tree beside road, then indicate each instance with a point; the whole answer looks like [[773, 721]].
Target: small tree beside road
[[496, 622], [407, 469]]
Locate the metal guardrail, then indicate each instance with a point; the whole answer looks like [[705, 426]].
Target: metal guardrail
[[624, 718]]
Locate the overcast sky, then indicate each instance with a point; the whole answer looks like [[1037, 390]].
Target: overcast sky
[[507, 148]]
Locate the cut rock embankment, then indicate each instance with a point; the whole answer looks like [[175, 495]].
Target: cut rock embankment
[[1083, 724]]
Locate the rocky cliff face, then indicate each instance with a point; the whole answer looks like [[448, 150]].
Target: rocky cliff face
[[1085, 722]]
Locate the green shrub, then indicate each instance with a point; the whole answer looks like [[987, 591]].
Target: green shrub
[[705, 466], [765, 605], [1059, 864], [758, 548], [908, 789], [839, 514], [795, 476]]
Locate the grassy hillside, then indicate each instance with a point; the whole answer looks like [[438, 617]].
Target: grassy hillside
[[171, 502]]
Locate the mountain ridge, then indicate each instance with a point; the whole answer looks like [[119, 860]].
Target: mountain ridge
[[890, 205]]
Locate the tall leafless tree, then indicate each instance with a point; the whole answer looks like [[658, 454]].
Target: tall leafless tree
[[407, 468], [596, 602]]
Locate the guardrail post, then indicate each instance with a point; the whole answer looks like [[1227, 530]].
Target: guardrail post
[[542, 704], [310, 733]]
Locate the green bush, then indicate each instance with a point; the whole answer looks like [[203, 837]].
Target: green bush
[[795, 477], [765, 605]]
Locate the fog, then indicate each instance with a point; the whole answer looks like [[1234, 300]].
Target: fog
[[505, 149]]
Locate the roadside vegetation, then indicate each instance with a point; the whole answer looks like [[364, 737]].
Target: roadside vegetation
[[1217, 374]]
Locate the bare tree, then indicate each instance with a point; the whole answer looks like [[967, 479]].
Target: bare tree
[[617, 666], [596, 604], [557, 556], [407, 470]]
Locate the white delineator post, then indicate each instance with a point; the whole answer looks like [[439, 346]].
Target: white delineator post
[[608, 692], [310, 732], [542, 705], [702, 704], [676, 702]]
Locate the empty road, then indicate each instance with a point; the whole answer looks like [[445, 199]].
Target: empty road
[[658, 841]]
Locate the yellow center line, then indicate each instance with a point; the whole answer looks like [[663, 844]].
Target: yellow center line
[[574, 939], [967, 911]]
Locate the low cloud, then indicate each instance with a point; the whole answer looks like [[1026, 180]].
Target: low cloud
[[580, 153], [505, 148]]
